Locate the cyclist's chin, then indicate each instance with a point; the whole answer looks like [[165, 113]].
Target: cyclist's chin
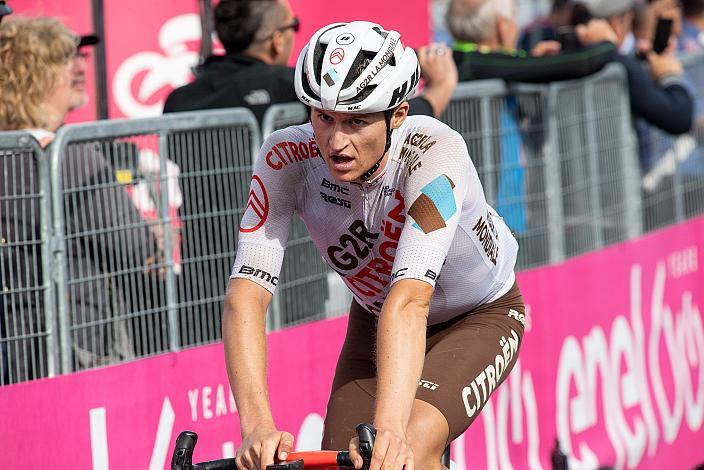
[[345, 177]]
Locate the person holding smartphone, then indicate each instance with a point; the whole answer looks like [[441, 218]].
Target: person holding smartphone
[[656, 84]]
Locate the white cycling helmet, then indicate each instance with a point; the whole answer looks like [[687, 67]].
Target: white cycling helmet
[[330, 74]]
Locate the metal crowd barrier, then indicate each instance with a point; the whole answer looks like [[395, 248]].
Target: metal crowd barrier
[[673, 166], [122, 246], [280, 116], [557, 161], [28, 340], [148, 213]]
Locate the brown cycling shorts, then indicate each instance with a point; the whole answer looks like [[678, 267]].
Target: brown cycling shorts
[[466, 359]]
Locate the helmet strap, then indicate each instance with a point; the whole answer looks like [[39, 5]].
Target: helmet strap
[[387, 117]]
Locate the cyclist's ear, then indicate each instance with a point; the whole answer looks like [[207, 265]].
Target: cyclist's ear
[[399, 115], [285, 445]]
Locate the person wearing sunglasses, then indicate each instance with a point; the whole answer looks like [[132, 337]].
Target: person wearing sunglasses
[[258, 39]]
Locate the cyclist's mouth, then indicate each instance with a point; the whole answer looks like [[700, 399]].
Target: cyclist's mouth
[[342, 162]]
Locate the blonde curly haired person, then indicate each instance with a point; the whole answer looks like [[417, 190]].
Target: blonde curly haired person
[[35, 75]]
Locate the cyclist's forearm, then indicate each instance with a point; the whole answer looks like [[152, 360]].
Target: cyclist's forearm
[[244, 338], [400, 355]]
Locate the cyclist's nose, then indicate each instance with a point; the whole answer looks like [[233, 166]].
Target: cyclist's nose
[[338, 140]]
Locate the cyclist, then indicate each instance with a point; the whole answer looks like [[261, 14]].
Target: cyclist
[[394, 205]]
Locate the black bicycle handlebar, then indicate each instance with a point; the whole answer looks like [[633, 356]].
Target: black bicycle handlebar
[[182, 458]]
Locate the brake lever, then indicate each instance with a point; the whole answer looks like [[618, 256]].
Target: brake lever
[[366, 434], [182, 458]]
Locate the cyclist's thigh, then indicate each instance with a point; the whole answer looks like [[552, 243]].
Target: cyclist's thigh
[[470, 357], [350, 400]]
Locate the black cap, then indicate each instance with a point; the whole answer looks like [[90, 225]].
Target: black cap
[[88, 40], [4, 9]]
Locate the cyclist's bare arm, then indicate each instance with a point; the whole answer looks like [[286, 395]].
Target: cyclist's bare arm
[[244, 337], [401, 337]]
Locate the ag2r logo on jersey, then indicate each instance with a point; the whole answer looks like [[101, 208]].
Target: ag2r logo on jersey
[[257, 207], [435, 205]]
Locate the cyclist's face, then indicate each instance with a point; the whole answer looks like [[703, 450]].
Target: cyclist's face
[[349, 143], [352, 143]]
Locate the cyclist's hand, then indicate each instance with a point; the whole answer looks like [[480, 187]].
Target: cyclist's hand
[[258, 449], [391, 451]]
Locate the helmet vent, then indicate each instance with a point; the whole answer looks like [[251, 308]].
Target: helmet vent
[[360, 64], [306, 87], [381, 33], [318, 58], [361, 96]]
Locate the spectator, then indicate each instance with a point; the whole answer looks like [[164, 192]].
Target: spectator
[[149, 323], [656, 87], [35, 82], [545, 28], [258, 39], [673, 166], [78, 84]]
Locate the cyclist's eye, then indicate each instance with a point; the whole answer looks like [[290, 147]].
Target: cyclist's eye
[[359, 122], [325, 118]]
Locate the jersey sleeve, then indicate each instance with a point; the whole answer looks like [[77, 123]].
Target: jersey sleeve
[[434, 193], [264, 227]]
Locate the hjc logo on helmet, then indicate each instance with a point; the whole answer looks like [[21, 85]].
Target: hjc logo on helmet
[[344, 39]]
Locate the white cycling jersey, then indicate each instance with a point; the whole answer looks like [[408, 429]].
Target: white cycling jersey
[[424, 217]]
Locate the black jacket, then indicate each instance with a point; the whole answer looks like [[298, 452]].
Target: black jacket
[[666, 105], [231, 81]]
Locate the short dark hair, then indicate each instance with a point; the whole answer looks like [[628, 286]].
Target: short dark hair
[[237, 22], [692, 8]]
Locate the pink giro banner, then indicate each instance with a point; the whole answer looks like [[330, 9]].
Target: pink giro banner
[[612, 365]]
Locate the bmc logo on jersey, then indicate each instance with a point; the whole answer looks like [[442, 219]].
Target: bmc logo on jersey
[[263, 275], [400, 92]]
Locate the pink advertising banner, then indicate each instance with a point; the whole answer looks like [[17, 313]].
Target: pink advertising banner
[[612, 366]]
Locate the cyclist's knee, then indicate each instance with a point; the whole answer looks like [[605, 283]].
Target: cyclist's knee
[[427, 434]]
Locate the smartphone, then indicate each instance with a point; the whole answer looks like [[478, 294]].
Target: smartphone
[[661, 39], [580, 14], [567, 37]]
